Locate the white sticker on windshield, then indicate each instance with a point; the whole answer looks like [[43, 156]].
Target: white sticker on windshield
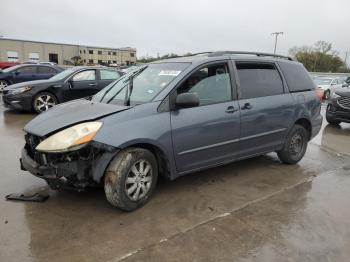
[[169, 73]]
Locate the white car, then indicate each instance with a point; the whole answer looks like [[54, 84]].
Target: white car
[[329, 85]]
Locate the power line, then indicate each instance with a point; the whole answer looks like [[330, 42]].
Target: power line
[[276, 36]]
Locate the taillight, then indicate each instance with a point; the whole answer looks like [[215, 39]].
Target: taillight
[[319, 93]]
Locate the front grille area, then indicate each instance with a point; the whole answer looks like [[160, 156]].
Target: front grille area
[[344, 102], [31, 143]]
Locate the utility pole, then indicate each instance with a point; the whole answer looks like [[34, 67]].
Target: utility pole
[[346, 57], [276, 36]]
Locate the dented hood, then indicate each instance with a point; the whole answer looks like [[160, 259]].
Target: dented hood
[[68, 114]]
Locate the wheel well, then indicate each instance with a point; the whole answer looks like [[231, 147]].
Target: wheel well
[[306, 124], [162, 160]]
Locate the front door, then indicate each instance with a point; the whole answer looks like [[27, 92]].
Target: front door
[[266, 108], [208, 134], [83, 84]]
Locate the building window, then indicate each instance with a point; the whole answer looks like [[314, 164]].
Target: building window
[[12, 56], [84, 61], [91, 52], [34, 57], [114, 53], [100, 52], [109, 53], [79, 51], [91, 61], [109, 61], [114, 62], [84, 51], [99, 61], [132, 54]]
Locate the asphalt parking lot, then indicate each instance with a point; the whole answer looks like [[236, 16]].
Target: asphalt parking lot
[[253, 210]]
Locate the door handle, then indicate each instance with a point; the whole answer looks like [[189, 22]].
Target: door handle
[[93, 84], [247, 106], [231, 109]]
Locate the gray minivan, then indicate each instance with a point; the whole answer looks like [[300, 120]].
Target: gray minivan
[[174, 117]]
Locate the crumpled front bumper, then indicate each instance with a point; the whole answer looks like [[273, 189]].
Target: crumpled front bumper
[[76, 174]]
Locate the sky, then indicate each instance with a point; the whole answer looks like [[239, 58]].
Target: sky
[[160, 27]]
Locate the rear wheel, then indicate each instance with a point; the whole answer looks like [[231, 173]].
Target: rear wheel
[[131, 178], [295, 145], [43, 102], [3, 84]]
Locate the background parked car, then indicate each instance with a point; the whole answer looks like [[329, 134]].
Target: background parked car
[[23, 73], [73, 83], [4, 65], [328, 85]]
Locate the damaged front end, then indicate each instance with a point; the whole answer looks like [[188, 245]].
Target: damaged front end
[[75, 170]]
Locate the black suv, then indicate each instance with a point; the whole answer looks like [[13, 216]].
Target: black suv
[[174, 117], [338, 108]]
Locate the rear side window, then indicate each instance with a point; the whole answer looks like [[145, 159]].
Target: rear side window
[[258, 80], [297, 77], [108, 74], [46, 70]]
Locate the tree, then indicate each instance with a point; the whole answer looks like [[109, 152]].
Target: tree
[[318, 58], [77, 60]]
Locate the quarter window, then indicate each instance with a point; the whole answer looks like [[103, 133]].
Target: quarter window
[[108, 74], [85, 76], [258, 80], [211, 83], [46, 70]]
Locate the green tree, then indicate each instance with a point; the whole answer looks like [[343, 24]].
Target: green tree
[[76, 60], [319, 58]]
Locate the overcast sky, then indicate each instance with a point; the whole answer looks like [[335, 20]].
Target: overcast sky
[[179, 26]]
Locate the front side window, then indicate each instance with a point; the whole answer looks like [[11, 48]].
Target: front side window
[[108, 74], [211, 83], [27, 70], [85, 76], [258, 80], [140, 85]]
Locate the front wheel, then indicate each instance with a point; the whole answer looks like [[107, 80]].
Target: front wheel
[[295, 145], [131, 178], [43, 102]]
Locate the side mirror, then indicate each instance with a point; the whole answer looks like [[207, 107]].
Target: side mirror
[[186, 100], [333, 84], [345, 85], [17, 73], [70, 83]]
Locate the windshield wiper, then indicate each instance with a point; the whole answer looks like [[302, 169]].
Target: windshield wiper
[[126, 81], [131, 86]]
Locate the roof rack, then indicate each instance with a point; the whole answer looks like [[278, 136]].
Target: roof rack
[[220, 53]]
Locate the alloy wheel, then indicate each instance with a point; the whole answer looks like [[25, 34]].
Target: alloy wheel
[[44, 102], [3, 84], [139, 180]]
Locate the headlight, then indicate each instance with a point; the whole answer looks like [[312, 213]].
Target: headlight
[[70, 139], [19, 90]]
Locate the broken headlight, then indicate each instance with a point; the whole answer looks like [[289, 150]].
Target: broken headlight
[[70, 139]]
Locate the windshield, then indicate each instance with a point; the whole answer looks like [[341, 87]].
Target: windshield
[[63, 74], [141, 85], [323, 81]]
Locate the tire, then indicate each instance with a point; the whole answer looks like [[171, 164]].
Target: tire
[[125, 186], [332, 122], [327, 94], [43, 102], [295, 145], [3, 84]]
